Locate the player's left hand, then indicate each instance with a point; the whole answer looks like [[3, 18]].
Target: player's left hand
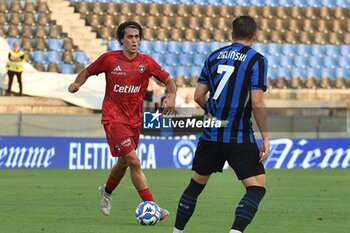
[[169, 104], [264, 151], [74, 87]]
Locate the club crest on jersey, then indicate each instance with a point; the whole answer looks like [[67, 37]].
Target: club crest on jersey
[[141, 68]]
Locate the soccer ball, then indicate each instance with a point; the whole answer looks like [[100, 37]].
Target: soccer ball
[[148, 213]]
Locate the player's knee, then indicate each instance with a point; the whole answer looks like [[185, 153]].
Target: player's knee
[[257, 191]]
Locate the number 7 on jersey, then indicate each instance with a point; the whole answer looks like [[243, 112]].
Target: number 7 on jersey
[[228, 70]]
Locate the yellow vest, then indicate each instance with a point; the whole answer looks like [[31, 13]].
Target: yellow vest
[[13, 65]]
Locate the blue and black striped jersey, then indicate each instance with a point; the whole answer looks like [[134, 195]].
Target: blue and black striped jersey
[[230, 73]]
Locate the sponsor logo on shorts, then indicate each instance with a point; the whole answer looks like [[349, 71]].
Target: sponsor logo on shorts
[[117, 147], [126, 142]]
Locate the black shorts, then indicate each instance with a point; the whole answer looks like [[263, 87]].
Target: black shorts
[[243, 158]]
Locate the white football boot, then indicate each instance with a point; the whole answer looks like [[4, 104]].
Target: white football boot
[[105, 203]]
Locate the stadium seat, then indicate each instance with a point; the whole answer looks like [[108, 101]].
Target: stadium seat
[[27, 44], [260, 47], [315, 61], [54, 57], [271, 77], [53, 68], [13, 31], [15, 6], [199, 59], [327, 77], [3, 7], [78, 68], [67, 57], [274, 49], [68, 44], [342, 76], [146, 46], [215, 45], [288, 50], [345, 50], [40, 57], [202, 47], [66, 68], [159, 57], [30, 7], [55, 44], [40, 67], [188, 47], [317, 50], [55, 31], [81, 58], [173, 47], [182, 73], [286, 61], [185, 59], [283, 77], [171, 59], [159, 47], [332, 50], [298, 77], [170, 70], [312, 77], [329, 62], [300, 62], [40, 44], [29, 19], [43, 19], [344, 62]]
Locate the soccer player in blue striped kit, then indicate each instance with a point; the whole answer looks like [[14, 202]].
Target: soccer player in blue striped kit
[[235, 77]]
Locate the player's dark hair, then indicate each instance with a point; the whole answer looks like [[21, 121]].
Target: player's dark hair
[[244, 27], [128, 24]]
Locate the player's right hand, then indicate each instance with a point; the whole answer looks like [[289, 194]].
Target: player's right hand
[[264, 150], [74, 87]]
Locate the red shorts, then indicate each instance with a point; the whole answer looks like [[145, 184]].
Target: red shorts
[[121, 138]]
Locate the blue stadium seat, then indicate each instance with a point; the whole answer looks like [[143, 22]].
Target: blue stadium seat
[[300, 3], [202, 47], [317, 50], [303, 50], [300, 62], [81, 58], [196, 71], [285, 3], [159, 47], [55, 44], [342, 73], [40, 57], [313, 72], [298, 72], [215, 45], [159, 57], [272, 74], [188, 47], [11, 41], [286, 61], [183, 71], [329, 62], [273, 61], [315, 61], [345, 50], [288, 49], [327, 73], [54, 57], [185, 59], [199, 59], [260, 47], [66, 68], [114, 45], [171, 59], [170, 70], [314, 3], [344, 62], [274, 49], [332, 50], [174, 47], [284, 72], [146, 47]]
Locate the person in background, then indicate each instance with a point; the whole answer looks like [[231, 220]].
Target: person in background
[[14, 67]]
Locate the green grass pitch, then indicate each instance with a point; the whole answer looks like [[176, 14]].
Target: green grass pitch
[[62, 201]]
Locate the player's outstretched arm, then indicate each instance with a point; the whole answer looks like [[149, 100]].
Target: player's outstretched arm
[[260, 115], [169, 101], [200, 94], [79, 81]]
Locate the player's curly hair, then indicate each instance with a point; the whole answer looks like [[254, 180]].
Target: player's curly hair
[[128, 24], [244, 27]]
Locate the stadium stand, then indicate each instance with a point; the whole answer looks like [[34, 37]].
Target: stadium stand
[[296, 36]]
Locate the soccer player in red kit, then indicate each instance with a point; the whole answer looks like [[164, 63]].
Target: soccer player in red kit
[[127, 75]]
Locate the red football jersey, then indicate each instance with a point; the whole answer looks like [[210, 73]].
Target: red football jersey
[[126, 84]]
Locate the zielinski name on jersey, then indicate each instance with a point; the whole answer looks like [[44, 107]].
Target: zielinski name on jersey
[[127, 88], [232, 55]]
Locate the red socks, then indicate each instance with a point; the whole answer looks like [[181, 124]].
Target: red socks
[[146, 195], [111, 184]]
